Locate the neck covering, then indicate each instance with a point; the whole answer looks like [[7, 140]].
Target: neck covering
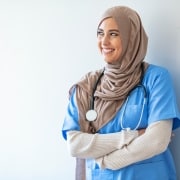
[[119, 78]]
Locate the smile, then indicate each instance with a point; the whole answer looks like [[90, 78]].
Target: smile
[[107, 50]]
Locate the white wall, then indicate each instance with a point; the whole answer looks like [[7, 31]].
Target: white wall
[[47, 45]]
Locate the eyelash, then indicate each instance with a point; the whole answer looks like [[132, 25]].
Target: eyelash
[[100, 33], [114, 34]]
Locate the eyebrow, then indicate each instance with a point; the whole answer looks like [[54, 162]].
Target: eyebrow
[[111, 30]]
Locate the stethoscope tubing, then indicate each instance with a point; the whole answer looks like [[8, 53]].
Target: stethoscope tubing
[[142, 110], [94, 89]]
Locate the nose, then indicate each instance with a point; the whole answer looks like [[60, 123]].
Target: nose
[[105, 40]]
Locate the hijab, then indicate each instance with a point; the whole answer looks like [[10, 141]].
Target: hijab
[[118, 78]]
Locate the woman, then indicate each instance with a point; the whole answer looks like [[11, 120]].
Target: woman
[[119, 119]]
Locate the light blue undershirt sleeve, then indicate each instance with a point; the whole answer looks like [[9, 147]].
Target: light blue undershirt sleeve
[[71, 116], [162, 100]]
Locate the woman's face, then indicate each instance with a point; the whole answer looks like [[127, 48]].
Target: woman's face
[[109, 42]]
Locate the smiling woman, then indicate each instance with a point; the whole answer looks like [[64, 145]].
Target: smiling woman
[[44, 48], [128, 133], [109, 41]]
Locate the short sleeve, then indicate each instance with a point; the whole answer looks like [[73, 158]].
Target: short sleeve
[[71, 116], [162, 99]]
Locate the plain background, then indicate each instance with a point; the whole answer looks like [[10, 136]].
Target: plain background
[[46, 46]]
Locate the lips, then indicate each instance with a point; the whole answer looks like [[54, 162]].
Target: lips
[[107, 50]]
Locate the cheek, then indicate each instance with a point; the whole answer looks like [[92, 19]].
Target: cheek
[[120, 51], [99, 45], [119, 48]]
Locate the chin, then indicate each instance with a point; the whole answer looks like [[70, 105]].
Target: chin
[[111, 61]]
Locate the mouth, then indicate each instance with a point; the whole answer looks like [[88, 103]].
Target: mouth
[[107, 51]]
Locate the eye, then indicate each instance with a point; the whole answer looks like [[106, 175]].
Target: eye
[[100, 33], [114, 34]]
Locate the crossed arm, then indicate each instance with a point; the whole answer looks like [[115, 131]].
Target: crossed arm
[[117, 150]]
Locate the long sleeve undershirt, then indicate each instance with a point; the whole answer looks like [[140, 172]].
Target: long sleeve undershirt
[[154, 141], [117, 150], [84, 145]]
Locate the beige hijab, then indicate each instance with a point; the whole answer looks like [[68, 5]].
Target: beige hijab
[[118, 79]]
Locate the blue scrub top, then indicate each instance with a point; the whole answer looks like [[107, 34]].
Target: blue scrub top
[[160, 105]]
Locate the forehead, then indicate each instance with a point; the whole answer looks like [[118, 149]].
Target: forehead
[[108, 23]]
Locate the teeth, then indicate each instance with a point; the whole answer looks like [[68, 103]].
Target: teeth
[[107, 50]]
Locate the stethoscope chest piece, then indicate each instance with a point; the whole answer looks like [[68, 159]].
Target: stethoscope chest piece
[[91, 115]]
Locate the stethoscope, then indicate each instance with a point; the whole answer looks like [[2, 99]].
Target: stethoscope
[[91, 114]]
